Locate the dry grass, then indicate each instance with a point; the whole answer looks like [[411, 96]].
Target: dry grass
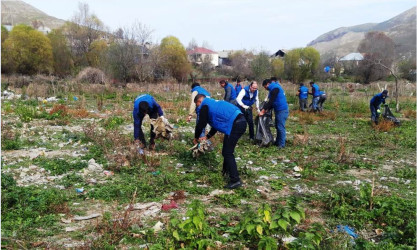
[[409, 113], [59, 108], [79, 113], [384, 126]]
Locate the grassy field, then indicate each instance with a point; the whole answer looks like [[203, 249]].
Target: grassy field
[[337, 170]]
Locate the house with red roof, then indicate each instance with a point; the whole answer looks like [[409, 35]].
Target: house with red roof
[[199, 54]]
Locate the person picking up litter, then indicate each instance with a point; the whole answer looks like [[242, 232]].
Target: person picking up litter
[[315, 92], [195, 90], [278, 102], [229, 92], [227, 119], [145, 105], [303, 96], [375, 105]]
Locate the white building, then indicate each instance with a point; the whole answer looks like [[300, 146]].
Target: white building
[[198, 54]]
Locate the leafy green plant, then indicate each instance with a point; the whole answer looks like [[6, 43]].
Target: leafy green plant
[[113, 122], [309, 239], [194, 231], [26, 113], [59, 166]]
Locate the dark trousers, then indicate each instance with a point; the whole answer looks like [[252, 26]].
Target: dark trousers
[[249, 119], [321, 101], [303, 104], [153, 135], [229, 144], [374, 113]]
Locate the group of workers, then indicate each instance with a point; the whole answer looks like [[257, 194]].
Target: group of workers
[[231, 115]]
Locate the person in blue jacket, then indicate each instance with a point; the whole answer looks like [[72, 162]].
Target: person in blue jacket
[[238, 86], [145, 105], [245, 99], [195, 90], [278, 102], [227, 119], [322, 99], [375, 105], [315, 92], [303, 96], [229, 92]]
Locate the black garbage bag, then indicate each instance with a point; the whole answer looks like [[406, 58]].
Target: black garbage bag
[[387, 115], [263, 136]]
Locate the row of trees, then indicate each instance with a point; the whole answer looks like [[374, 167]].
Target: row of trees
[[127, 54]]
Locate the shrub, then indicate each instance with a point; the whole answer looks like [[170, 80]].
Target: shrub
[[91, 75]]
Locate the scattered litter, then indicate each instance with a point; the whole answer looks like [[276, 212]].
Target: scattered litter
[[274, 162], [138, 236], [66, 221], [357, 182], [79, 190], [52, 99], [263, 177], [108, 173], [250, 162], [162, 128], [346, 229], [288, 239], [407, 182], [75, 98], [263, 191], [379, 231], [94, 167], [286, 161], [297, 169], [147, 209], [225, 235], [155, 173], [158, 226], [179, 165], [167, 207], [202, 147], [71, 229], [219, 192], [88, 217], [92, 181], [75, 203], [298, 175]]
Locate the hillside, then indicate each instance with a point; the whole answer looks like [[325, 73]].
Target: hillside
[[15, 12], [401, 29]]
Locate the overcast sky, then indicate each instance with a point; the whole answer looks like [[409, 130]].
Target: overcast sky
[[235, 24]]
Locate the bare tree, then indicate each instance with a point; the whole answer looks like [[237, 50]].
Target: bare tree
[[192, 44], [206, 67], [378, 50], [240, 62], [84, 28]]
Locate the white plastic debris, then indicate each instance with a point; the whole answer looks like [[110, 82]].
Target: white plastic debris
[[158, 226], [87, 217]]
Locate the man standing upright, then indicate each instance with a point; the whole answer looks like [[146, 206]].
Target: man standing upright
[[278, 102], [238, 87], [229, 92], [315, 92], [375, 105], [303, 96], [245, 99], [145, 105], [226, 118]]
